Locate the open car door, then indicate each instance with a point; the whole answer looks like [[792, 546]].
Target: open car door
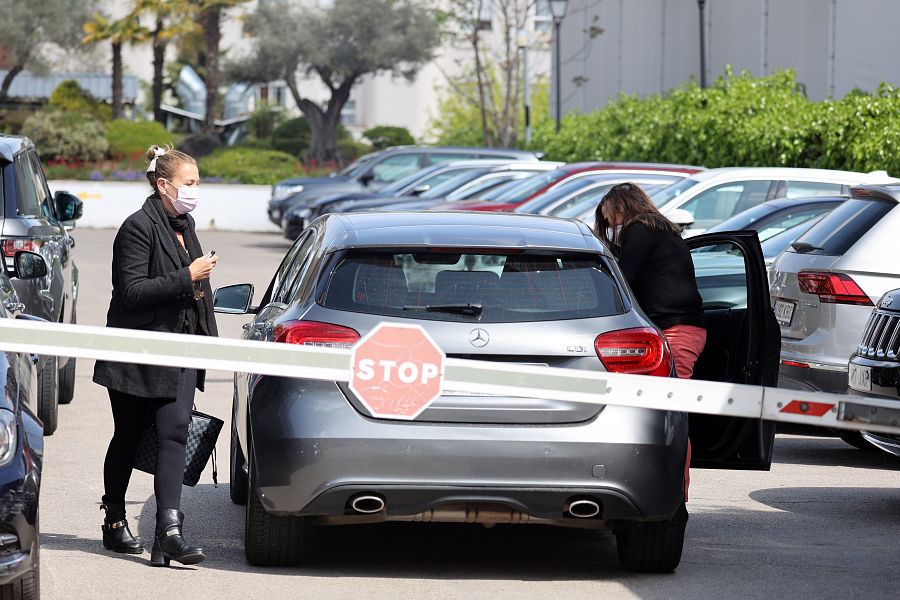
[[742, 346]]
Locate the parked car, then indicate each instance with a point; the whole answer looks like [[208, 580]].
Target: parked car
[[585, 203], [714, 195], [34, 220], [376, 170], [450, 184], [21, 449], [874, 368], [775, 216], [544, 291], [824, 287], [563, 197], [531, 188]]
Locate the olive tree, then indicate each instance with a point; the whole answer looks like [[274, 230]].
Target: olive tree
[[338, 45], [26, 28]]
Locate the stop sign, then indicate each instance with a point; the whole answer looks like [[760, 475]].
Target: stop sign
[[396, 371]]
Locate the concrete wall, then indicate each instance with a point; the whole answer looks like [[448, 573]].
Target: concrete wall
[[651, 46], [221, 207]]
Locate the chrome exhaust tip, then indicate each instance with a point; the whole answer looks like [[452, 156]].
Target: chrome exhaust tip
[[583, 509], [367, 504]]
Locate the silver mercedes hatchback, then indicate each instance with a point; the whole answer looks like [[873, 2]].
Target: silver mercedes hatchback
[[507, 288]]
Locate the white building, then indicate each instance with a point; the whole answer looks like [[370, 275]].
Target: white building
[[376, 100]]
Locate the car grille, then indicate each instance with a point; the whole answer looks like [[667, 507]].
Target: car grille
[[881, 339]]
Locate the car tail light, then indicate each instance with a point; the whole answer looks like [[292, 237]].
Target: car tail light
[[833, 288], [314, 333], [794, 363], [12, 245], [641, 351]]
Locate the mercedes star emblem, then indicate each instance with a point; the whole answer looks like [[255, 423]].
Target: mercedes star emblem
[[479, 338]]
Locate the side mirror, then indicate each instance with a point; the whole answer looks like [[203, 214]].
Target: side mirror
[[233, 299], [682, 218], [419, 189], [30, 265], [366, 177], [69, 207]]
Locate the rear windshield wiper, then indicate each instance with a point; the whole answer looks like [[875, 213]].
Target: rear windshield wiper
[[460, 309], [805, 248]]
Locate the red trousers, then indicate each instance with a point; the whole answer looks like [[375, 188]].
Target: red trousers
[[686, 342]]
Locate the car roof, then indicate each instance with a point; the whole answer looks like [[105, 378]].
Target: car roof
[[779, 203], [635, 166], [455, 229], [449, 149], [850, 177], [10, 145]]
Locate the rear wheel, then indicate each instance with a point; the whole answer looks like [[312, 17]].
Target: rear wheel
[[270, 540], [654, 546], [67, 382], [855, 439], [48, 394]]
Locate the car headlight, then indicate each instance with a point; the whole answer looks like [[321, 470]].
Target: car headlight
[[7, 436], [280, 192]]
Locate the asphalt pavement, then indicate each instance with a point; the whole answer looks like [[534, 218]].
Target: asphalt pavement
[[824, 523]]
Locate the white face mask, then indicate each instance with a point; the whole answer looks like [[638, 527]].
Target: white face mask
[[186, 198]]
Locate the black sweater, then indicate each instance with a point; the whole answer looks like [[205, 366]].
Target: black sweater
[[659, 269]]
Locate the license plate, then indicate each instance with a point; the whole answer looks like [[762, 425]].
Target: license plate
[[860, 378], [784, 312]]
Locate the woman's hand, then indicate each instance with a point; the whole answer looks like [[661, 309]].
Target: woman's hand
[[202, 267]]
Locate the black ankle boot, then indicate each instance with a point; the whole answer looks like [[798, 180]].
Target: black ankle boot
[[169, 544], [116, 535]]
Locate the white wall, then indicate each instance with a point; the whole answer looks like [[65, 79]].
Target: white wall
[[221, 207]]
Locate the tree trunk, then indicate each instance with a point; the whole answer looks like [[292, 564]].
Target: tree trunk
[[159, 58], [323, 124], [211, 35], [117, 108], [479, 77], [8, 79]]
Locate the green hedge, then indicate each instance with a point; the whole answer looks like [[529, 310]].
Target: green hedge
[[132, 138], [66, 136], [249, 165], [385, 136], [740, 120]]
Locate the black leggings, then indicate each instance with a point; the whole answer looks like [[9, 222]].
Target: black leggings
[[130, 415]]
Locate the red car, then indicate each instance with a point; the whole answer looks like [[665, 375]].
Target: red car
[[525, 190]]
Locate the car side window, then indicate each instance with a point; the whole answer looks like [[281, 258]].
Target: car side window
[[394, 167], [721, 271], [806, 189], [277, 280], [283, 294], [29, 192], [439, 157], [43, 192], [716, 204]]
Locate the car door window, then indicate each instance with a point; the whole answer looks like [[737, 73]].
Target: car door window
[[29, 193], [43, 192], [721, 273], [283, 294], [278, 280], [806, 189], [394, 167], [789, 219], [716, 204]]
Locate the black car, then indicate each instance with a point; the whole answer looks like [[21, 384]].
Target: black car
[[875, 366], [21, 450], [774, 216], [376, 170], [34, 220]]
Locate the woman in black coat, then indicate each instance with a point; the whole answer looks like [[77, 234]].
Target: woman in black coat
[[160, 280]]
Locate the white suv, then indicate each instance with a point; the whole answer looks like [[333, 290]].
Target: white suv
[[714, 195]]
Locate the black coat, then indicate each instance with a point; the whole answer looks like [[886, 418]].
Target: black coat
[[154, 292]]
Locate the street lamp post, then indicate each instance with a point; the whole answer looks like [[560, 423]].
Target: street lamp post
[[558, 11], [701, 4], [524, 40]]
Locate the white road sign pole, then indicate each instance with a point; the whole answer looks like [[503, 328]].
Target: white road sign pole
[[708, 397]]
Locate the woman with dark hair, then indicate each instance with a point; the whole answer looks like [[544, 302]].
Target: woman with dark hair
[[658, 266], [160, 280]]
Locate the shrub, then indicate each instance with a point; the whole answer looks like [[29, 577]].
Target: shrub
[[70, 97], [293, 136], [249, 165], [386, 136], [66, 135], [262, 123], [132, 138], [199, 145], [349, 149]]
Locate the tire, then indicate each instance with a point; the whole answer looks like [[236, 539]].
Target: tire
[[237, 487], [654, 546], [28, 586], [67, 382], [855, 439], [48, 394], [269, 540]]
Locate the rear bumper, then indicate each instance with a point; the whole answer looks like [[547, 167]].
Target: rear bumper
[[818, 377], [314, 452]]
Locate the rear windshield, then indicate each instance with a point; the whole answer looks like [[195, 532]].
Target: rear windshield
[[500, 287], [842, 227]]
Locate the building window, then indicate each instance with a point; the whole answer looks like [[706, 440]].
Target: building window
[[485, 14], [348, 113], [542, 17]]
